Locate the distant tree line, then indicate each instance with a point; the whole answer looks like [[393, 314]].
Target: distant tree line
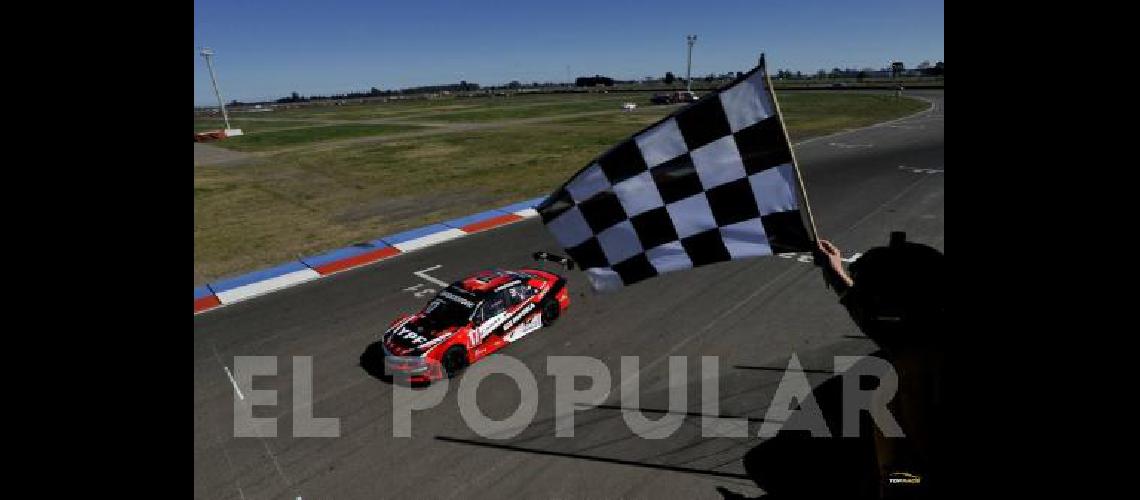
[[462, 86], [896, 69]]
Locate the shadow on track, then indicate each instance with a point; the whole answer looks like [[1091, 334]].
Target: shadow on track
[[372, 362], [795, 465], [578, 456]]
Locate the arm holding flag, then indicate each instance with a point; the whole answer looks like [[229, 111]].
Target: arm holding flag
[[828, 256]]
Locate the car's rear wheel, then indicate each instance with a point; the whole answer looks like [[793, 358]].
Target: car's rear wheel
[[550, 313], [454, 361]]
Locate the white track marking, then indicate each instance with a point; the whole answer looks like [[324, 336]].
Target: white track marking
[[923, 114], [268, 451], [808, 258], [921, 170], [908, 127], [234, 382], [218, 358], [422, 273]]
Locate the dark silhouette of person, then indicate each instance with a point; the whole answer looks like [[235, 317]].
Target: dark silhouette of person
[[895, 295]]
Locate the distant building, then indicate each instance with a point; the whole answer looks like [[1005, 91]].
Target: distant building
[[593, 81]]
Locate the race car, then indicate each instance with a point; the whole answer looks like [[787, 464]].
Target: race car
[[473, 318]]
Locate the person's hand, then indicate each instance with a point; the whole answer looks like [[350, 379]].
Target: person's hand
[[830, 253]]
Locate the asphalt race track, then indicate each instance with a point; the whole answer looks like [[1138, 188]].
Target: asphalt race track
[[754, 315]]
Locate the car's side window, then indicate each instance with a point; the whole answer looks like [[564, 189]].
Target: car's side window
[[495, 305], [518, 294]]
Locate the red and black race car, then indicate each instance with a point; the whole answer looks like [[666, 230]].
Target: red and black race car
[[472, 318]]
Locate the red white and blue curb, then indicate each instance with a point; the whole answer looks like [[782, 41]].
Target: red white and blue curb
[[230, 290]]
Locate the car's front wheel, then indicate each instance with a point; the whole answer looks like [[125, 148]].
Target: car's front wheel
[[550, 313], [454, 361]]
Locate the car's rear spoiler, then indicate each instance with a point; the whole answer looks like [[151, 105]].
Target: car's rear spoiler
[[558, 259]]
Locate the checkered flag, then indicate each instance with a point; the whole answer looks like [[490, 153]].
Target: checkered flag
[[712, 182]]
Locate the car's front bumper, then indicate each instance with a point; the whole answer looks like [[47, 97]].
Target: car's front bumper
[[414, 368]]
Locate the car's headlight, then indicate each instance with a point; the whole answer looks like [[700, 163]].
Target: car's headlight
[[407, 363]]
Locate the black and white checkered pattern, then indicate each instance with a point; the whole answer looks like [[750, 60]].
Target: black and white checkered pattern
[[710, 183]]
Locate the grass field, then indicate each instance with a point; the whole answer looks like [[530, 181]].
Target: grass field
[[449, 110], [256, 124], [277, 138], [310, 191]]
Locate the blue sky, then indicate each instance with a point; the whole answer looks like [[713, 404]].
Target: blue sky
[[267, 49]]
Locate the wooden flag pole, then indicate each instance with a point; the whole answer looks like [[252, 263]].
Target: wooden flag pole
[[795, 164]]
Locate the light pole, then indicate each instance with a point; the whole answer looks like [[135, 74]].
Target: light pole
[[689, 72], [208, 53]]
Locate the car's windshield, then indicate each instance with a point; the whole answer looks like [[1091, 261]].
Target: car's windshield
[[448, 309]]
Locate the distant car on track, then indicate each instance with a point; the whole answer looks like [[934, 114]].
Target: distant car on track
[[213, 135], [674, 97], [473, 318]]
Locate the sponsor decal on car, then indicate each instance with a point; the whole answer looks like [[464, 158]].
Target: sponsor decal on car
[[451, 296], [534, 323], [521, 314], [507, 285], [412, 336]]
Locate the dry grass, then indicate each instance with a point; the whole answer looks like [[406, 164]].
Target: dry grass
[[306, 201]]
